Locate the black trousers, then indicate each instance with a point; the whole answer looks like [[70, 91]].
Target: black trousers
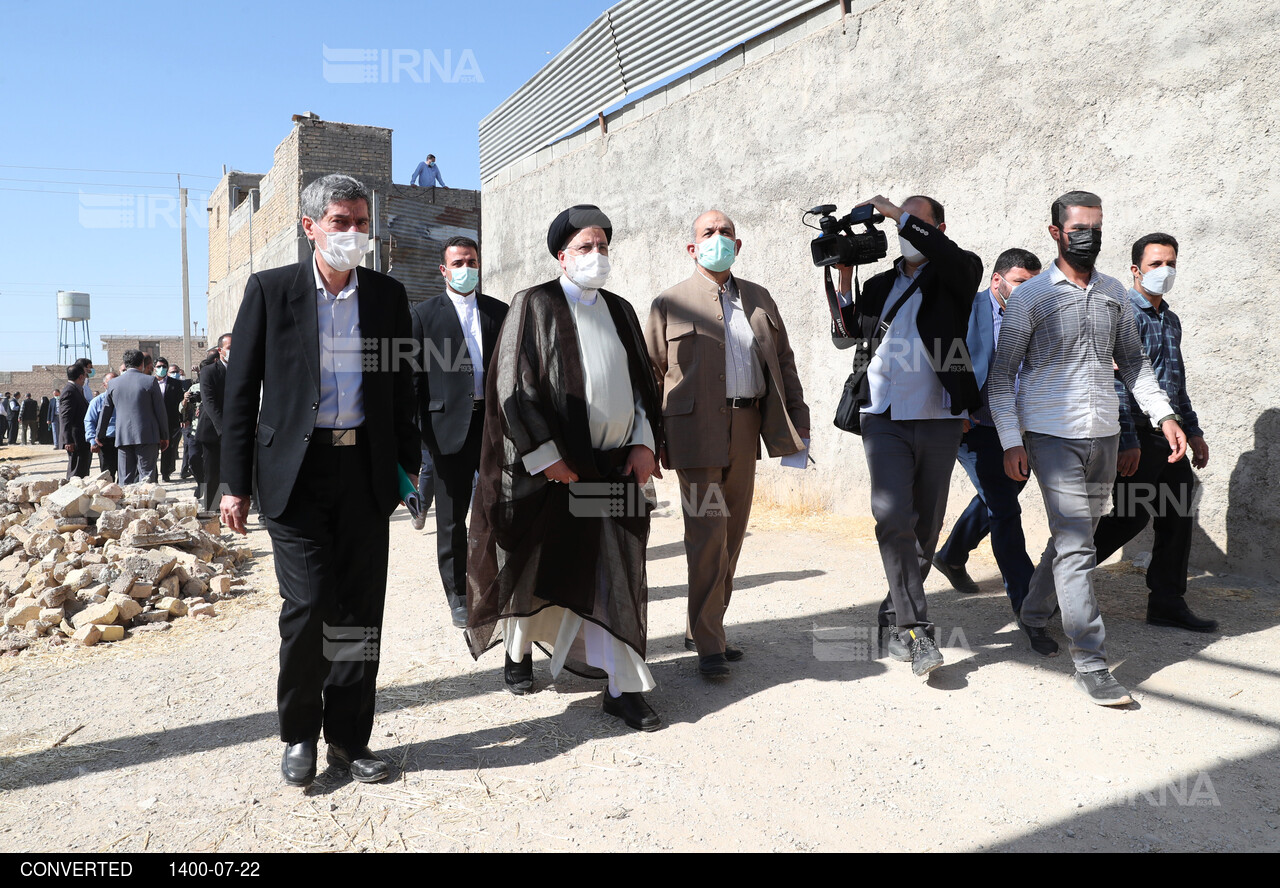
[[79, 461], [169, 456], [188, 451], [211, 457], [108, 457], [455, 479], [330, 547], [1158, 490]]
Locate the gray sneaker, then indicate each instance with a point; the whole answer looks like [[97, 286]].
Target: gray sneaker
[[924, 653], [892, 644], [1102, 688]]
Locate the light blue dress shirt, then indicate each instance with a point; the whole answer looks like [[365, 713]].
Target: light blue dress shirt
[[91, 419], [341, 355], [427, 175]]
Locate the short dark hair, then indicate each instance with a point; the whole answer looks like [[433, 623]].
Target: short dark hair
[[459, 241], [1016, 258], [162, 360], [1072, 199], [938, 215], [84, 363], [220, 339], [1157, 237], [132, 358], [75, 371]]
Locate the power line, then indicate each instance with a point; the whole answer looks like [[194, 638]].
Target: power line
[[11, 166], [99, 193], [152, 186]]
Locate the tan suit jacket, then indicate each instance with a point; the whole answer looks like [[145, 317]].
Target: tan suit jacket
[[686, 341]]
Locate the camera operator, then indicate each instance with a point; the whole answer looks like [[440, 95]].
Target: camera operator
[[918, 387]]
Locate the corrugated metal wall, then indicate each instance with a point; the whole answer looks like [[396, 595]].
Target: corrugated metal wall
[[631, 46]]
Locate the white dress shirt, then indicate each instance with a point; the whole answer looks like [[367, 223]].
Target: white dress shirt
[[469, 317]]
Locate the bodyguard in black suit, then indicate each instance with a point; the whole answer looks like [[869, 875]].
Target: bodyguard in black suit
[[914, 395], [321, 342], [72, 406], [171, 390], [213, 380], [450, 390]]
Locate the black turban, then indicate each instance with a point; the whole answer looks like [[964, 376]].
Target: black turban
[[573, 220]]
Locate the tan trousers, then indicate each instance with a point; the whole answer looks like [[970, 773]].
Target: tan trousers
[[717, 503]]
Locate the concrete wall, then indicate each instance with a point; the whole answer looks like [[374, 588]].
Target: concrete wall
[[1166, 109]]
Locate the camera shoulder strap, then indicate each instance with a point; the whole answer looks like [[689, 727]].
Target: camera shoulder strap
[[882, 327]]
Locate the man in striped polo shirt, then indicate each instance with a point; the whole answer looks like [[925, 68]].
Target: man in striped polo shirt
[[1066, 329]]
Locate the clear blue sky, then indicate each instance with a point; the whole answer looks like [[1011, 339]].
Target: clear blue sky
[[163, 88]]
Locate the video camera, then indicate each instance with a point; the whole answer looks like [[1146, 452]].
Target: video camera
[[839, 244]]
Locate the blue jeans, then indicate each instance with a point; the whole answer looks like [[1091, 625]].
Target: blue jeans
[[995, 510], [1075, 476]]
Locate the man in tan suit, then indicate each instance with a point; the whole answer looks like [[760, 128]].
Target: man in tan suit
[[728, 380]]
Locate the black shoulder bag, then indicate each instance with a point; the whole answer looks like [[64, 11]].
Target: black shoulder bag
[[849, 411]]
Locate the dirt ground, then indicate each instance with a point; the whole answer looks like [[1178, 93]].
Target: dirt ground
[[168, 742]]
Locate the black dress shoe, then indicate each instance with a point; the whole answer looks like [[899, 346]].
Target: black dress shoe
[[956, 575], [731, 653], [298, 765], [362, 764], [459, 616], [633, 709], [518, 676], [1175, 613], [713, 666]]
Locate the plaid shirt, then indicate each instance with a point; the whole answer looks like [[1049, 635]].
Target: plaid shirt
[[1161, 334]]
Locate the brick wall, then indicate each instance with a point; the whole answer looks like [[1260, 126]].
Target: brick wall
[[248, 234]]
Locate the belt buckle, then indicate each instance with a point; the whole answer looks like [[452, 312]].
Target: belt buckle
[[343, 437]]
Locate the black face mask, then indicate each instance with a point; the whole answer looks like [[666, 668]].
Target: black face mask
[[1083, 247]]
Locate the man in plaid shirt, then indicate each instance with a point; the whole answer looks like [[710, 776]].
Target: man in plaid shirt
[[1147, 485]]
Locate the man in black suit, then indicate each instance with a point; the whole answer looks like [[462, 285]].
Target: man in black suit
[[171, 391], [913, 397], [213, 379], [72, 406], [454, 329], [327, 345]]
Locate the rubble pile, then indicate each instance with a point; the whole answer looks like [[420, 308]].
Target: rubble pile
[[87, 560]]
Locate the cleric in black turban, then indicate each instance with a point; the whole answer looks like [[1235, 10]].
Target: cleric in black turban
[[573, 220]]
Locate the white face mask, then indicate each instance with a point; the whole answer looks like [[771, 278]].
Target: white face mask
[[590, 271], [343, 250], [1159, 281], [909, 252]]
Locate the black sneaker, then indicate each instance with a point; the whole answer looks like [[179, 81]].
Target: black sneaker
[[1102, 688], [956, 575], [892, 645], [924, 653], [1041, 643]]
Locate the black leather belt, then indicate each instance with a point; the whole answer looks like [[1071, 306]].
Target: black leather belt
[[742, 402], [477, 405], [335, 437]]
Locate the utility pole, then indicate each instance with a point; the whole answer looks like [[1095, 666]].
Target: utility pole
[[186, 292]]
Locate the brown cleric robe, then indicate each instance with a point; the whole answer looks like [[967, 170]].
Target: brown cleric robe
[[531, 546]]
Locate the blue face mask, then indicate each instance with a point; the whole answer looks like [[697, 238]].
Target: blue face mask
[[716, 253], [90, 372], [162, 372], [463, 280]]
